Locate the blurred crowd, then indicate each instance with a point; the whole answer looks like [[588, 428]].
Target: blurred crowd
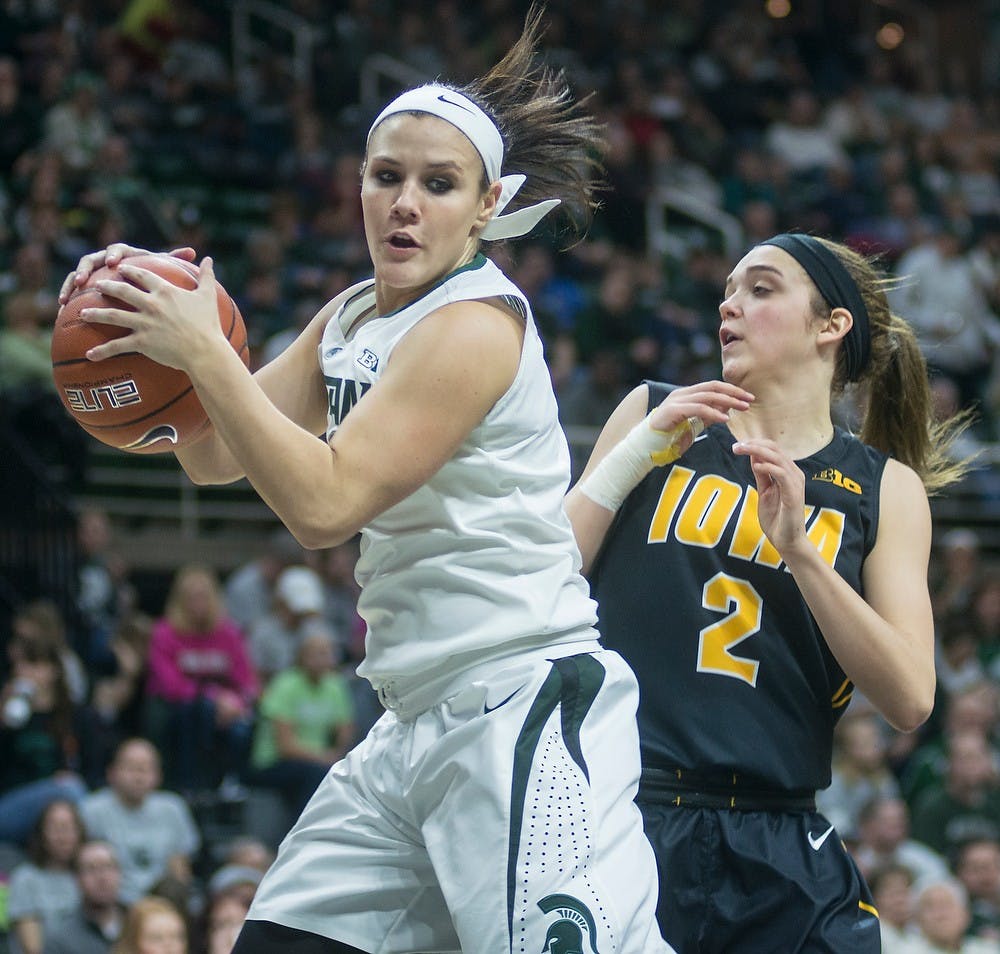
[[165, 754], [215, 713]]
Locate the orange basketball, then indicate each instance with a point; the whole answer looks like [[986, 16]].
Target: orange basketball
[[129, 401]]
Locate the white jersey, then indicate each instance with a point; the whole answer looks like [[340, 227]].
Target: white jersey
[[480, 562]]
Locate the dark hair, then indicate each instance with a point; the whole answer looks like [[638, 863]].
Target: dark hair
[[548, 135], [881, 874], [899, 417], [46, 618], [958, 853], [35, 848], [957, 624], [44, 648]]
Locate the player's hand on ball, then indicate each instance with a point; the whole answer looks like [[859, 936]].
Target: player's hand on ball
[[168, 324], [111, 256], [130, 401]]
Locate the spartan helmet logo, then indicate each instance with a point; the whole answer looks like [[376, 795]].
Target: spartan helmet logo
[[573, 931]]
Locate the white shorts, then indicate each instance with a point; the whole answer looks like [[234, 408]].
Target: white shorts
[[499, 820]]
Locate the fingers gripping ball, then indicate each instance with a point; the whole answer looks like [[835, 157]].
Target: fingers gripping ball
[[129, 401]]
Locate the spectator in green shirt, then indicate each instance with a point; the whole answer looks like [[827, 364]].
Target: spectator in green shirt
[[966, 802], [305, 723], [25, 341]]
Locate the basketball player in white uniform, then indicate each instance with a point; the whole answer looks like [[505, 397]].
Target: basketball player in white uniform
[[491, 808]]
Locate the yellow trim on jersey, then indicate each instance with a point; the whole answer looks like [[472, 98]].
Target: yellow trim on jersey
[[839, 698], [869, 908]]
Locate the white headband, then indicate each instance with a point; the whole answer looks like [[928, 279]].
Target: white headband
[[455, 108]]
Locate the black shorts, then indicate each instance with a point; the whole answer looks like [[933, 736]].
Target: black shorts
[[266, 937], [757, 882]]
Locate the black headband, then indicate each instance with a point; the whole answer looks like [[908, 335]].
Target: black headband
[[838, 289]]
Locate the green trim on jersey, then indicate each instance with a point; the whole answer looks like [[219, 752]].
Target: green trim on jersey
[[478, 261], [572, 684]]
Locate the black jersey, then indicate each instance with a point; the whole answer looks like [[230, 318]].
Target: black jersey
[[734, 673]]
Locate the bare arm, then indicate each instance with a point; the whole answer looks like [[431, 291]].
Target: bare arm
[[342, 739], [292, 382], [29, 934], [443, 378], [885, 640], [289, 748], [590, 520], [710, 402]]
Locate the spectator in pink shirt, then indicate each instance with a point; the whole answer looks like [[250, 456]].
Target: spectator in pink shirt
[[201, 687]]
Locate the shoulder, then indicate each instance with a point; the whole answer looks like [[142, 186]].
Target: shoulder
[[635, 406], [470, 345], [265, 627], [344, 297], [283, 682], [24, 875], [337, 679], [230, 630], [282, 692], [335, 684], [163, 629], [170, 804], [654, 391], [902, 486], [96, 801], [164, 799], [904, 513], [476, 322]]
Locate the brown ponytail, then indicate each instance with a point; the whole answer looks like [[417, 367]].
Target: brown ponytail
[[548, 135], [899, 416]]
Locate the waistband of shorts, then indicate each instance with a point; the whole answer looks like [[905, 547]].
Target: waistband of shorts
[[723, 792], [409, 696]]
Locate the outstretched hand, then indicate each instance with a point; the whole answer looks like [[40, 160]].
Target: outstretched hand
[[112, 255]]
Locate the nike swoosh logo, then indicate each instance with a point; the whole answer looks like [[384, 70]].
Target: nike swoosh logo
[[451, 102], [817, 843], [504, 702]]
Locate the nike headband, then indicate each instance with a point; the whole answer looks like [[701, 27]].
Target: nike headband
[[456, 108], [838, 289]]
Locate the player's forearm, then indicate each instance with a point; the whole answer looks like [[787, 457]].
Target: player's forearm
[[590, 523], [291, 386], [208, 461], [291, 469], [892, 668]]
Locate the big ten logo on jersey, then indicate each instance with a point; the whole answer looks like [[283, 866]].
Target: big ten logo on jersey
[[103, 397], [342, 394], [367, 359], [699, 513], [833, 476]]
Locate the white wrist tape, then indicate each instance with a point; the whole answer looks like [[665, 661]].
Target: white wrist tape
[[634, 456]]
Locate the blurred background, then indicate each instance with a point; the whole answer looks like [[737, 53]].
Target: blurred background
[[237, 128]]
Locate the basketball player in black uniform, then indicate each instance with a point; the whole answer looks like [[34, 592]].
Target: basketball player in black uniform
[[753, 582]]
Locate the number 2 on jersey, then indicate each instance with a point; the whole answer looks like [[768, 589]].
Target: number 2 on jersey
[[742, 605]]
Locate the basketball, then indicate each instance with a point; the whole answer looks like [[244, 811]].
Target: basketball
[[129, 401]]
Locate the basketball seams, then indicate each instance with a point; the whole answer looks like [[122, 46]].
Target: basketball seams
[[145, 417], [219, 291], [84, 384]]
